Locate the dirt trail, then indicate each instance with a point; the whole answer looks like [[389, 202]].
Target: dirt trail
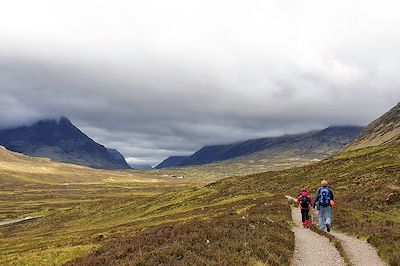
[[359, 251], [312, 248]]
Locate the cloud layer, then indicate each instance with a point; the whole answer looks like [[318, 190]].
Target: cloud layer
[[159, 78]]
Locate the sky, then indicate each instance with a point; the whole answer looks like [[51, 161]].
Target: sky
[[157, 78]]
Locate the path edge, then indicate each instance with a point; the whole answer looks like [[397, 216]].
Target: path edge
[[336, 242]]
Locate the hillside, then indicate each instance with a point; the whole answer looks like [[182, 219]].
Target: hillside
[[384, 130], [119, 158], [308, 146], [237, 219], [171, 162], [32, 185], [195, 226], [18, 171], [242, 220], [60, 141]]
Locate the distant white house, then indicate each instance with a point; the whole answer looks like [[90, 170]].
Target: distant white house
[[177, 176]]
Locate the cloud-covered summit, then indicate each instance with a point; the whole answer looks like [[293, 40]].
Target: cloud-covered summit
[[157, 78]]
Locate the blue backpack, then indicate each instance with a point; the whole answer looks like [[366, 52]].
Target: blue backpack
[[324, 197]]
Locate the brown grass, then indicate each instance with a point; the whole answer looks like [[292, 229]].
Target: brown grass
[[260, 234]]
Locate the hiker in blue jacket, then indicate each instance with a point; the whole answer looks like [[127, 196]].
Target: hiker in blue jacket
[[324, 201]]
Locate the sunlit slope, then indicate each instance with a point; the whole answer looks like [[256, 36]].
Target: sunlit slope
[[18, 169], [33, 186], [234, 225], [384, 130], [365, 182]]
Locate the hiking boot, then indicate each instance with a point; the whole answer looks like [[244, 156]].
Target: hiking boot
[[328, 228], [307, 224]]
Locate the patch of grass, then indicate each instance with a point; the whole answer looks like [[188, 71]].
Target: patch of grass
[[51, 256], [226, 239]]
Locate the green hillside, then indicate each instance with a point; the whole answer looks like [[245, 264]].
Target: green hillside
[[131, 218], [366, 183], [367, 187], [384, 130]]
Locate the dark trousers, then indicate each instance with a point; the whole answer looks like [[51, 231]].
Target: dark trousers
[[304, 215]]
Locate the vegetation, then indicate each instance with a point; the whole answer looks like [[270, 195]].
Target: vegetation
[[259, 234], [249, 227], [78, 204], [31, 185], [384, 130], [242, 219], [244, 165], [365, 182], [367, 189]]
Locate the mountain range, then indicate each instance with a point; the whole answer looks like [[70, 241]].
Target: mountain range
[[61, 141], [316, 144]]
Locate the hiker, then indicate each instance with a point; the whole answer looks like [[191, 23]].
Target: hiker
[[324, 201], [305, 202]]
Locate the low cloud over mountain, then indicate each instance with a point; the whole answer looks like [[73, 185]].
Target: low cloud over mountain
[[156, 79]]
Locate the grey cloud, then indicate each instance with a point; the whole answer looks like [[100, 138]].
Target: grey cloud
[[154, 86]]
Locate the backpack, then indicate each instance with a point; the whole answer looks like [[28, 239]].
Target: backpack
[[304, 202], [324, 197]]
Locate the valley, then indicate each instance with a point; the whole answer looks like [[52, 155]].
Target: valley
[[139, 217], [253, 205], [199, 133]]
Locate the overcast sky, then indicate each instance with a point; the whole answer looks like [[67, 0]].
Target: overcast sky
[[159, 78]]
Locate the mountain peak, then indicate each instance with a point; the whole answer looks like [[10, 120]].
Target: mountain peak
[[61, 141], [64, 120], [52, 121]]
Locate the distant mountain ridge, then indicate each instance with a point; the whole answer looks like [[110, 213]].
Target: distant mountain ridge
[[319, 144], [61, 141], [171, 161], [384, 130]]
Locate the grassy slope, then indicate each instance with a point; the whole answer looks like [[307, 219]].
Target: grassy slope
[[243, 165], [294, 154], [63, 193], [84, 207], [174, 227], [383, 130], [29, 185], [253, 218], [366, 184], [367, 187]]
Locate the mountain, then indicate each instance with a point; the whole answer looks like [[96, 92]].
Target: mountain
[[118, 157], [316, 144], [61, 141], [171, 161], [384, 130]]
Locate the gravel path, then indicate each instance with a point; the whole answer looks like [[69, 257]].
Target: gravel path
[[359, 251], [312, 248]]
